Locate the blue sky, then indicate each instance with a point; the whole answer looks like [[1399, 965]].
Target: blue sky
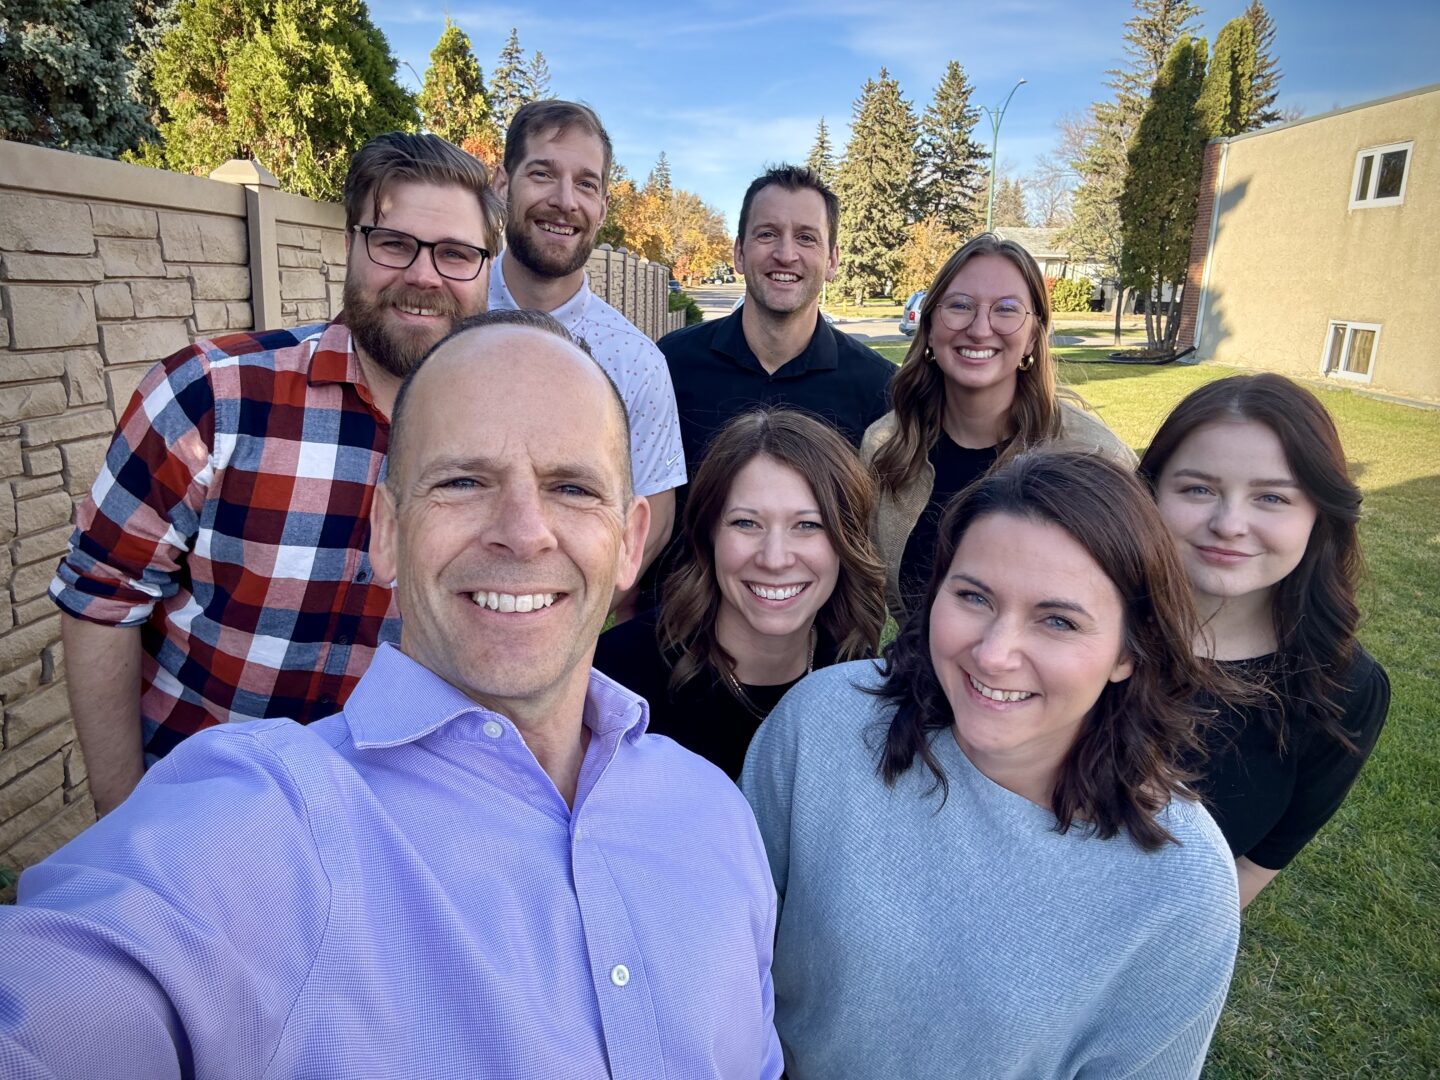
[[726, 88]]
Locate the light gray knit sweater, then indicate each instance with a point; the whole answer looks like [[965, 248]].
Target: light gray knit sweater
[[971, 940]]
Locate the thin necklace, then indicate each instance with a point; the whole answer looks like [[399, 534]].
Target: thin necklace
[[728, 674]]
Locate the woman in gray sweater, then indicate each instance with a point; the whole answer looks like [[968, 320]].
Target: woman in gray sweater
[[987, 861]]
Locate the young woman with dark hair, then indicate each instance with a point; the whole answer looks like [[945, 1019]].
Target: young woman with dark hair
[[1251, 480], [780, 578], [977, 385], [987, 860]]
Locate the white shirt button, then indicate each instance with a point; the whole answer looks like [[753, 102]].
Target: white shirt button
[[619, 975], [494, 729]]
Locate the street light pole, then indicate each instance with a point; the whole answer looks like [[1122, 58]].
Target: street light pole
[[996, 116]]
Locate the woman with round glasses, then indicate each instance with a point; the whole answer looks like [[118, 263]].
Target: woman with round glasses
[[977, 385], [1251, 480], [779, 578]]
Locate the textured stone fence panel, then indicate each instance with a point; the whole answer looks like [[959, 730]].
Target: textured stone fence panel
[[104, 269]]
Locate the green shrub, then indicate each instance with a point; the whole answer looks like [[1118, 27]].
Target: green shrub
[[683, 301], [1071, 294]]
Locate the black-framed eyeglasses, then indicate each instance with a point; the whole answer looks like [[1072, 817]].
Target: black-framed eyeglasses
[[398, 251], [1006, 315]]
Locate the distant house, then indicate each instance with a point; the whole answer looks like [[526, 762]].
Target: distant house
[[1316, 246], [1054, 260]]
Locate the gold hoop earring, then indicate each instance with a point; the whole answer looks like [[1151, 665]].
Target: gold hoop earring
[[929, 355], [1027, 362]]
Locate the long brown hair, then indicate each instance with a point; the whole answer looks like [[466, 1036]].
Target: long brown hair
[[1313, 608], [1127, 761], [917, 392], [855, 613]]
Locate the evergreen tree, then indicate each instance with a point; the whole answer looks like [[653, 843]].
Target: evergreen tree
[[951, 164], [876, 189], [537, 77], [1094, 233], [1009, 205], [1150, 34], [1226, 104], [299, 85], [658, 182], [1157, 205], [65, 76], [822, 155], [453, 103], [1265, 86], [153, 20], [509, 82]]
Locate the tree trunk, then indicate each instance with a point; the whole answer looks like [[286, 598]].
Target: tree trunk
[[1119, 307]]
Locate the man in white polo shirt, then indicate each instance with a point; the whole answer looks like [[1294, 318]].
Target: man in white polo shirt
[[554, 181]]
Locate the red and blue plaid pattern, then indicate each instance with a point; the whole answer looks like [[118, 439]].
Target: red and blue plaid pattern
[[231, 521]]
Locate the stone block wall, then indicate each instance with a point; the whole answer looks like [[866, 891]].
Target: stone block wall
[[104, 269]]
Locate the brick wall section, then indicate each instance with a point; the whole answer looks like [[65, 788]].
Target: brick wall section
[[104, 269], [1199, 245]]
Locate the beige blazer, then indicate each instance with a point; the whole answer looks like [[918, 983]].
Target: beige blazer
[[896, 514]]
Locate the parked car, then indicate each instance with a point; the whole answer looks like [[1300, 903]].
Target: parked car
[[674, 285], [910, 317]]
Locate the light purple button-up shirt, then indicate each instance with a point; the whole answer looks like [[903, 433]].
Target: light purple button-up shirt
[[400, 891]]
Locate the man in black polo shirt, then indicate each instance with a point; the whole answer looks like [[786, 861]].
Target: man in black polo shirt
[[776, 349]]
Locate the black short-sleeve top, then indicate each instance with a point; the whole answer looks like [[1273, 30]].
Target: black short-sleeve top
[[956, 467], [703, 715], [1269, 801]]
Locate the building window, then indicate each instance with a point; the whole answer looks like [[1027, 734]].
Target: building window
[[1350, 350], [1380, 175]]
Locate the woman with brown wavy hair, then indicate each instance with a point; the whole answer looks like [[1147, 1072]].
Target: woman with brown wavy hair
[[780, 578], [1251, 480], [977, 385], [987, 860]]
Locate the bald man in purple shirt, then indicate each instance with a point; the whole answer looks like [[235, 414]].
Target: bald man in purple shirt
[[483, 866]]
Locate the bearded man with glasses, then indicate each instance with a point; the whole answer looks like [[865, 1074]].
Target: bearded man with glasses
[[220, 569]]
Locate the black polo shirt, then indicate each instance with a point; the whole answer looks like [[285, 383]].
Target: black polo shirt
[[717, 377]]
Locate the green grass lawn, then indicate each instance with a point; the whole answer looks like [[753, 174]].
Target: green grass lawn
[[1339, 967]]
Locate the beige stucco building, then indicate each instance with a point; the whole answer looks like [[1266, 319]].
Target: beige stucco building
[[1317, 247]]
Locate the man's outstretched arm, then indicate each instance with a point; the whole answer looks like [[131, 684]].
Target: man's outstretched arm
[[102, 674]]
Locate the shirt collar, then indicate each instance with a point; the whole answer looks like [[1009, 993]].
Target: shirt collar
[[334, 359], [567, 314], [399, 701], [819, 354]]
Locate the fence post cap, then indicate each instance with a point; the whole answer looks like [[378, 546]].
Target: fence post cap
[[245, 171]]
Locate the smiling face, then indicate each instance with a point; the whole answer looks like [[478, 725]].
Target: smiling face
[[774, 562], [1025, 633], [479, 518], [555, 201], [977, 360], [1240, 520], [786, 253], [397, 315]]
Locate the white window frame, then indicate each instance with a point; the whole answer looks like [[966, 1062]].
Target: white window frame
[[1350, 328], [1377, 152]]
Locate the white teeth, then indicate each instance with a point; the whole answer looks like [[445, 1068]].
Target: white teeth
[[417, 310], [978, 354], [784, 277], [511, 602], [783, 593], [558, 230], [998, 695]]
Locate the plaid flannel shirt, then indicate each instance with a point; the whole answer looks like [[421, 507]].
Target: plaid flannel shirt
[[231, 522]]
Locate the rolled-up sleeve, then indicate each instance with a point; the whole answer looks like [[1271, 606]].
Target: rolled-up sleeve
[[140, 518]]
